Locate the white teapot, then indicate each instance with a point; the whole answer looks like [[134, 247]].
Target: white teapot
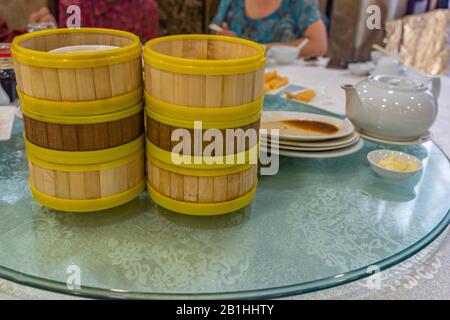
[[393, 107]]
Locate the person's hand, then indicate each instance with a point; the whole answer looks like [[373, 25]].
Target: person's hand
[[43, 15], [226, 31]]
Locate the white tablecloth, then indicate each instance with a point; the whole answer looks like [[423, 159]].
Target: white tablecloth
[[424, 276]]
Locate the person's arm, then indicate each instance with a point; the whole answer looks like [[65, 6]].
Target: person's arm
[[7, 35], [316, 33], [43, 15], [220, 19], [226, 31]]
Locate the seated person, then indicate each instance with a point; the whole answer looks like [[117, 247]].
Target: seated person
[[275, 22], [137, 16], [7, 35]]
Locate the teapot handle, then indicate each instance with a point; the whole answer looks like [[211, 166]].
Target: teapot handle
[[436, 87]]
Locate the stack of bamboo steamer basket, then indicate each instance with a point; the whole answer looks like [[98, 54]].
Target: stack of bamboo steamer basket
[[216, 80], [83, 117]]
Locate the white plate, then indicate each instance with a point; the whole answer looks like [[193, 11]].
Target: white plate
[[313, 149], [319, 144], [326, 99], [322, 154], [425, 138], [345, 126], [84, 48], [361, 69]]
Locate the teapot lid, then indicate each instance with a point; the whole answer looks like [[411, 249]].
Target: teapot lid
[[396, 83]]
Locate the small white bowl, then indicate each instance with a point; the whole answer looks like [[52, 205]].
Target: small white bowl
[[284, 54], [360, 69], [376, 156]]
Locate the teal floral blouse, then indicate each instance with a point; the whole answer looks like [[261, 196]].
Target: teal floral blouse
[[288, 22]]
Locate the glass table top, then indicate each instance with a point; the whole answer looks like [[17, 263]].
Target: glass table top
[[317, 224]]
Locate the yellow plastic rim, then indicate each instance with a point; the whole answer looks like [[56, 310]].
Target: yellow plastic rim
[[197, 172], [203, 163], [82, 108], [80, 158], [67, 205], [84, 167], [79, 60], [180, 123], [204, 67], [201, 209], [220, 118], [83, 120]]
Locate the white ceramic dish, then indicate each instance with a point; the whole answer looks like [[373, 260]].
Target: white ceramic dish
[[324, 99], [320, 154], [388, 66], [312, 148], [376, 156], [361, 69], [270, 118], [284, 54], [392, 107], [321, 144], [376, 55], [84, 48], [420, 140]]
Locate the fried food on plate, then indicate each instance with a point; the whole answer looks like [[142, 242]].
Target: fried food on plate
[[272, 81], [303, 96]]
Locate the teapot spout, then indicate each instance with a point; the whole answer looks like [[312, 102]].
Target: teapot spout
[[353, 106]]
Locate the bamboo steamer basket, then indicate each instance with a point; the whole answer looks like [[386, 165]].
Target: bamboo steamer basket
[[200, 189], [216, 80], [82, 76], [83, 126], [204, 71], [86, 181], [162, 119]]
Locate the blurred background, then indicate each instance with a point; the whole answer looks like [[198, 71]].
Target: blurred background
[[417, 29]]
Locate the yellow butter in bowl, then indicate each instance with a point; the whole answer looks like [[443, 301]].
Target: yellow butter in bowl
[[394, 162]]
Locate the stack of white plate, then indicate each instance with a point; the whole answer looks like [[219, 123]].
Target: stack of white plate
[[307, 135]]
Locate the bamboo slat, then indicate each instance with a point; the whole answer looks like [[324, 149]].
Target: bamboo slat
[[77, 190], [176, 187], [85, 84], [191, 189], [220, 189], [206, 189], [36, 81], [62, 185], [213, 91], [164, 182], [197, 84], [67, 85], [107, 186], [51, 84], [102, 82], [54, 136]]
